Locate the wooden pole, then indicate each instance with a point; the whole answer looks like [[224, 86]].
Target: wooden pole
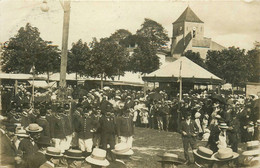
[[64, 51], [180, 80]]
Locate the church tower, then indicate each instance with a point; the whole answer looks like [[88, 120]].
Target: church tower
[[186, 28]]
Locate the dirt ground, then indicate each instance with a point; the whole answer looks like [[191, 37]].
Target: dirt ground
[[148, 143]]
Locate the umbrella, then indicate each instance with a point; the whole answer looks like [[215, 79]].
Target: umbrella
[[218, 98]]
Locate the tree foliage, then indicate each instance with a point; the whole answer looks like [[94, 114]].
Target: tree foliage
[[77, 57], [155, 32], [120, 34], [229, 64], [144, 58], [107, 59], [27, 48], [253, 66], [195, 57]]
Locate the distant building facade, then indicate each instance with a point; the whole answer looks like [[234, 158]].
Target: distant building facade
[[188, 34]]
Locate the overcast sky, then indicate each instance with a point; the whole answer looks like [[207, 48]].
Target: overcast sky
[[230, 23]]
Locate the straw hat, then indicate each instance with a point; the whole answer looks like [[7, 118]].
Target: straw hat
[[170, 157], [20, 132], [52, 151], [225, 154], [74, 154], [223, 126], [252, 145], [98, 157], [254, 152], [33, 128], [122, 149], [203, 153]]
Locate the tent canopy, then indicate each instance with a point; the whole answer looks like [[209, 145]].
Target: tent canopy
[[188, 70], [42, 84]]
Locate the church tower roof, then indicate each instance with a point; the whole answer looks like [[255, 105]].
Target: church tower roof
[[188, 16]]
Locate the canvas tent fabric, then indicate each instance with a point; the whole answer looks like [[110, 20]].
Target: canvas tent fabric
[[18, 76], [188, 70], [42, 84]]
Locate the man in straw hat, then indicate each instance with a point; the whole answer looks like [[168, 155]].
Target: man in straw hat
[[203, 157], [225, 158], [170, 160], [120, 156], [97, 159], [74, 158], [53, 156], [20, 133], [28, 145]]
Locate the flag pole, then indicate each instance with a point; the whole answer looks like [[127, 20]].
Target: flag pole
[[180, 79], [180, 98]]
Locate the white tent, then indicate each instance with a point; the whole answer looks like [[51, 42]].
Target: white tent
[[188, 70]]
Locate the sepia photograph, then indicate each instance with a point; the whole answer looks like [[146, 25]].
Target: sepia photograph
[[129, 83]]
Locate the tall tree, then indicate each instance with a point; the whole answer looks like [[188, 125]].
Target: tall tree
[[195, 57], [26, 49], [77, 58], [155, 32], [230, 64], [107, 59], [144, 58]]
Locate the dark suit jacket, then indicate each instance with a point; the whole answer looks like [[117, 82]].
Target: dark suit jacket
[[84, 128], [45, 125], [27, 148], [67, 125], [36, 160], [125, 126], [107, 125], [189, 129], [7, 150], [57, 128]]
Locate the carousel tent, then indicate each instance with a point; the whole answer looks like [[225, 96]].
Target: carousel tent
[[187, 70]]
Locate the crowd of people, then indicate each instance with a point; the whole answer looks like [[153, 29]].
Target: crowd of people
[[97, 128]]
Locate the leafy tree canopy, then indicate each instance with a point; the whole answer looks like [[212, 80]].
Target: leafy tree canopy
[[155, 32], [195, 57], [107, 59], [253, 66], [78, 56], [27, 48], [120, 34], [229, 64], [144, 58]]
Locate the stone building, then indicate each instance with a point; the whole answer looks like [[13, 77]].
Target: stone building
[[188, 34]]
